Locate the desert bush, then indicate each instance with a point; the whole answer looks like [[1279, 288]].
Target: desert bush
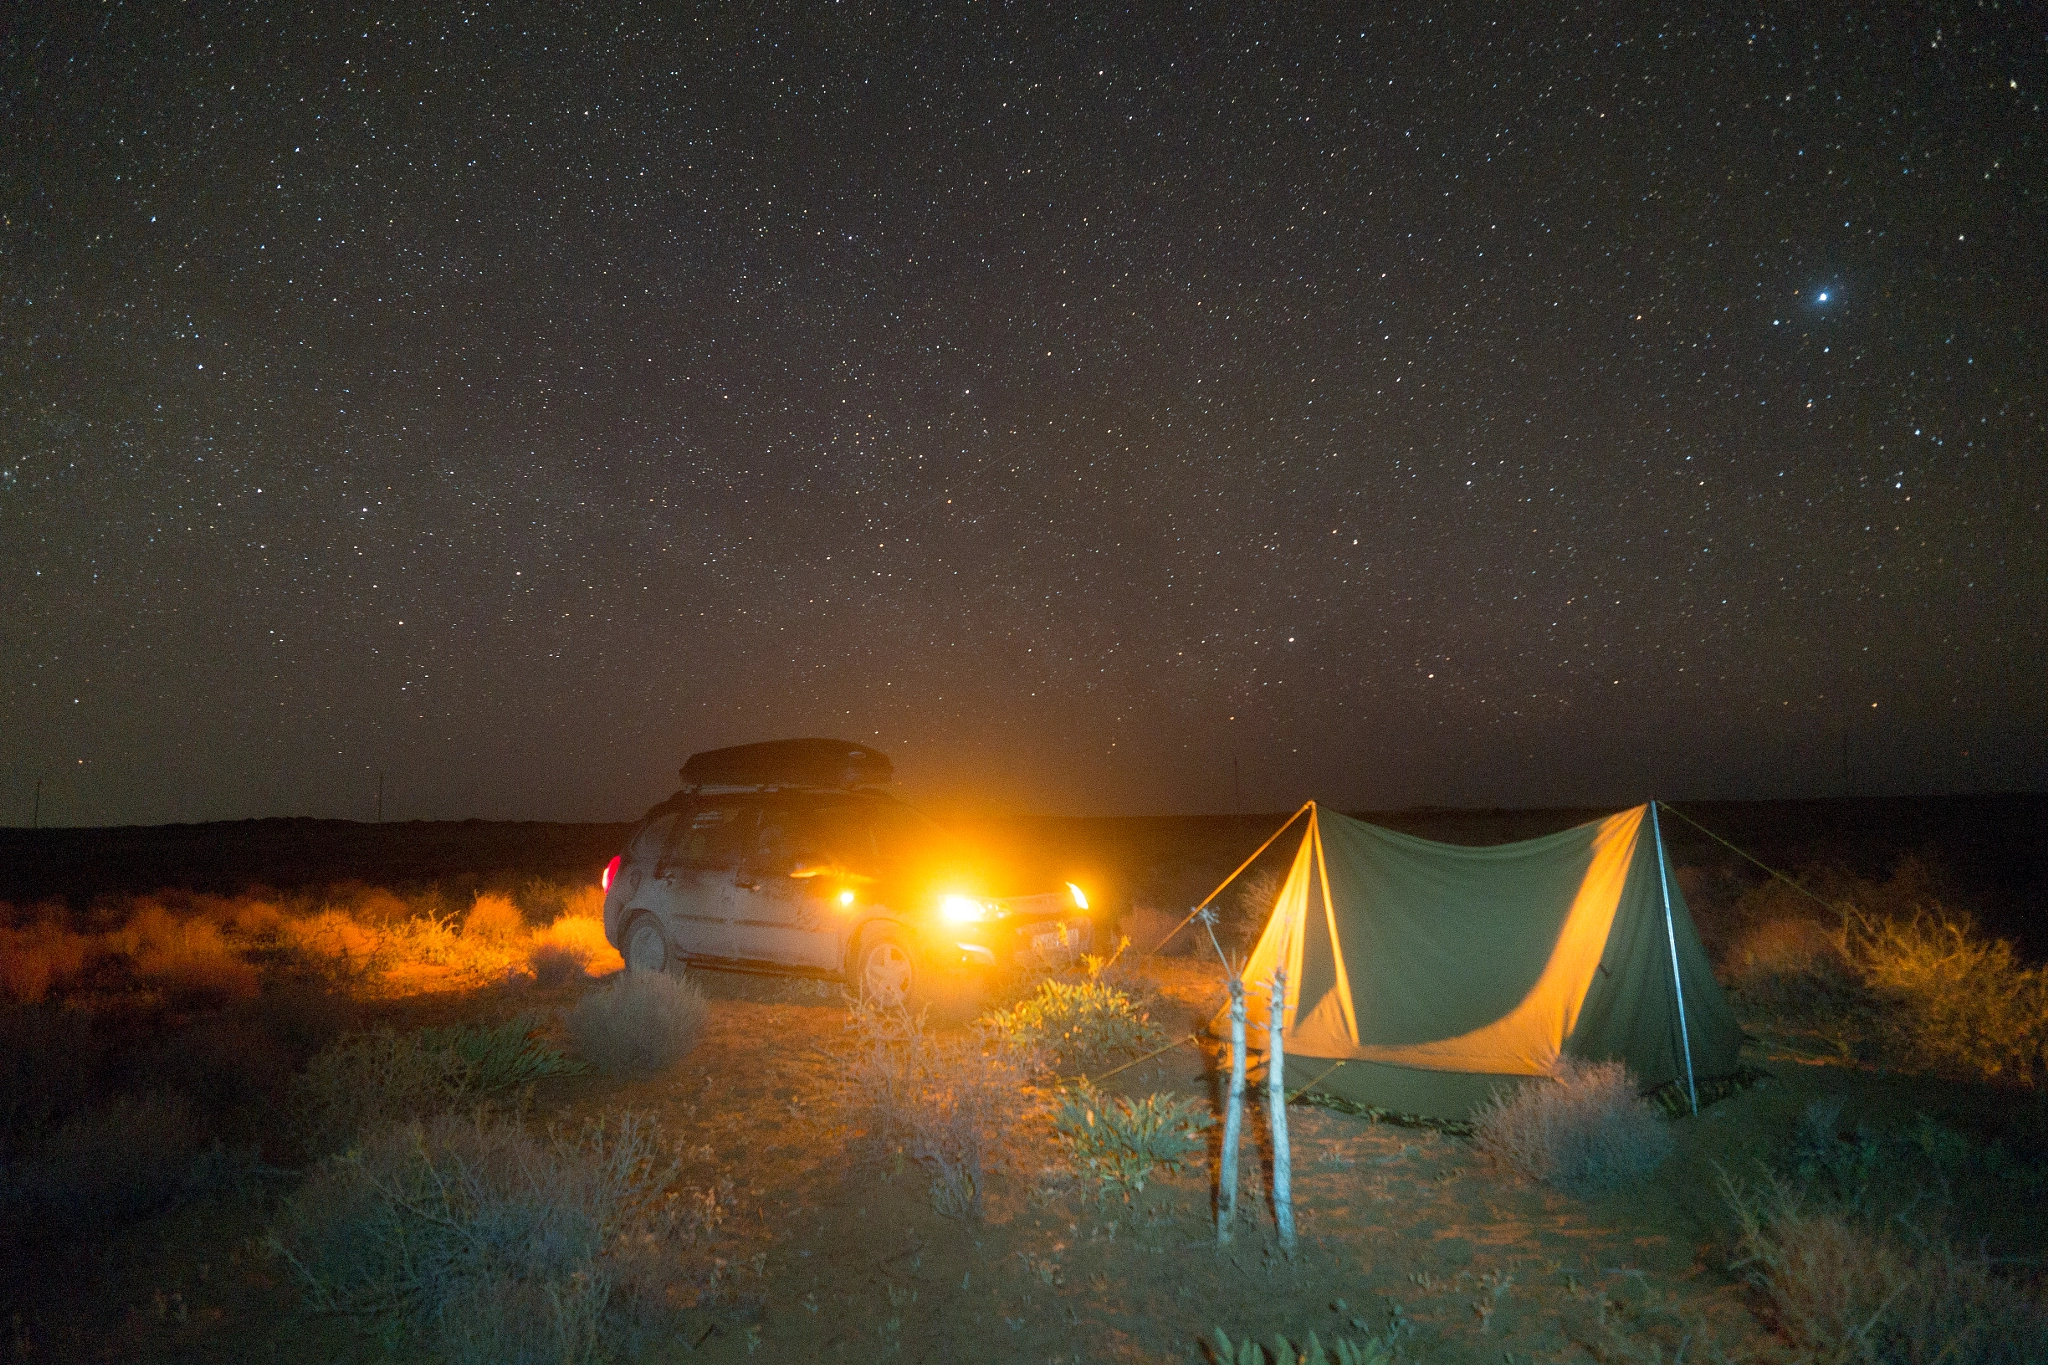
[[1843, 1287], [1147, 928], [335, 943], [185, 957], [545, 902], [1119, 1142], [49, 1057], [639, 1021], [1953, 1001], [1794, 966], [577, 939], [126, 1158], [1249, 906], [1075, 1025], [36, 957], [1584, 1130], [493, 918], [499, 1245], [368, 1081], [955, 1105], [557, 964]]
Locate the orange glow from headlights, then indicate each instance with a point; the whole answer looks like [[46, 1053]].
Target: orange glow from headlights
[[962, 909], [845, 899], [611, 870], [1080, 896]]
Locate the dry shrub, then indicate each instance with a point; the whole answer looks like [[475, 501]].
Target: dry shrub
[[1148, 927], [127, 1158], [955, 1105], [252, 919], [368, 1081], [1842, 1287], [38, 957], [639, 1022], [493, 919], [372, 905], [334, 939], [48, 1057], [1955, 1002], [576, 939], [1585, 1130], [501, 1245], [184, 957], [1793, 966]]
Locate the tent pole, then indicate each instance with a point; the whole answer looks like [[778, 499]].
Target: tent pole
[[1671, 938]]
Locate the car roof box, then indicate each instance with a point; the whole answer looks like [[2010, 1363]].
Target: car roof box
[[789, 763]]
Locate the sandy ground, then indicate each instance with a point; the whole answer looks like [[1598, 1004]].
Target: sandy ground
[[830, 1249]]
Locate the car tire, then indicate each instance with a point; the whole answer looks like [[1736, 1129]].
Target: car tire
[[645, 947], [885, 970]]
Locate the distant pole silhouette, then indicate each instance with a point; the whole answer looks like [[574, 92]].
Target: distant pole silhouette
[[380, 798], [1236, 795], [35, 820]]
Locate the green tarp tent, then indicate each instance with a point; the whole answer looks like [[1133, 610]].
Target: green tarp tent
[[1422, 977]]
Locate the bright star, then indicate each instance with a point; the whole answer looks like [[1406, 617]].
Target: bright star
[[1823, 296]]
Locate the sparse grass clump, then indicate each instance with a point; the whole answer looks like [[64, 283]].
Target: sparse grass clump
[[955, 1105], [1843, 1286], [492, 1243], [639, 1022], [1585, 1131], [367, 1081], [1119, 1142], [1075, 1025]]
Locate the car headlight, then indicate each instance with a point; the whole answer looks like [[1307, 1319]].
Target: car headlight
[[962, 910]]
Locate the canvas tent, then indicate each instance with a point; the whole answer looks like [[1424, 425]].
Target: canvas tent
[[1421, 976]]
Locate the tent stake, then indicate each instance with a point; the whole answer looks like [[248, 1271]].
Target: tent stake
[[1276, 1110], [1671, 937], [1233, 1118]]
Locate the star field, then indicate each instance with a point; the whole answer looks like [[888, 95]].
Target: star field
[[1458, 406]]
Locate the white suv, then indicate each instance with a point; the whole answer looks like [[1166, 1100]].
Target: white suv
[[784, 856]]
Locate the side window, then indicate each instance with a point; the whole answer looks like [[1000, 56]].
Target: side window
[[712, 838], [785, 843], [649, 839]]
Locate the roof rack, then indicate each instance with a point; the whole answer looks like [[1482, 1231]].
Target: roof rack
[[831, 764]]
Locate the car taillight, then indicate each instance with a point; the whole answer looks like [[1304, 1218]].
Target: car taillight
[[611, 870]]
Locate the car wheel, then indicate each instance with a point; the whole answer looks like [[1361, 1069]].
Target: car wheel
[[645, 947], [884, 970]]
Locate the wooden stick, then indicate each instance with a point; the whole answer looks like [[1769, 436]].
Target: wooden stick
[[1276, 1111], [1233, 1118]]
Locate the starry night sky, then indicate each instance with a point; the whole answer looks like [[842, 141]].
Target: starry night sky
[[1501, 405]]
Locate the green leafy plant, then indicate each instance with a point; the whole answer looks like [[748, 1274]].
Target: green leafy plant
[[1283, 1352], [1121, 1142], [1074, 1025]]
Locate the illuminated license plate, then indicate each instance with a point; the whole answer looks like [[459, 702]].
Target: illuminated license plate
[[1060, 940]]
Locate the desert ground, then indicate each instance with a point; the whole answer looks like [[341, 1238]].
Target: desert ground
[[311, 1090]]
